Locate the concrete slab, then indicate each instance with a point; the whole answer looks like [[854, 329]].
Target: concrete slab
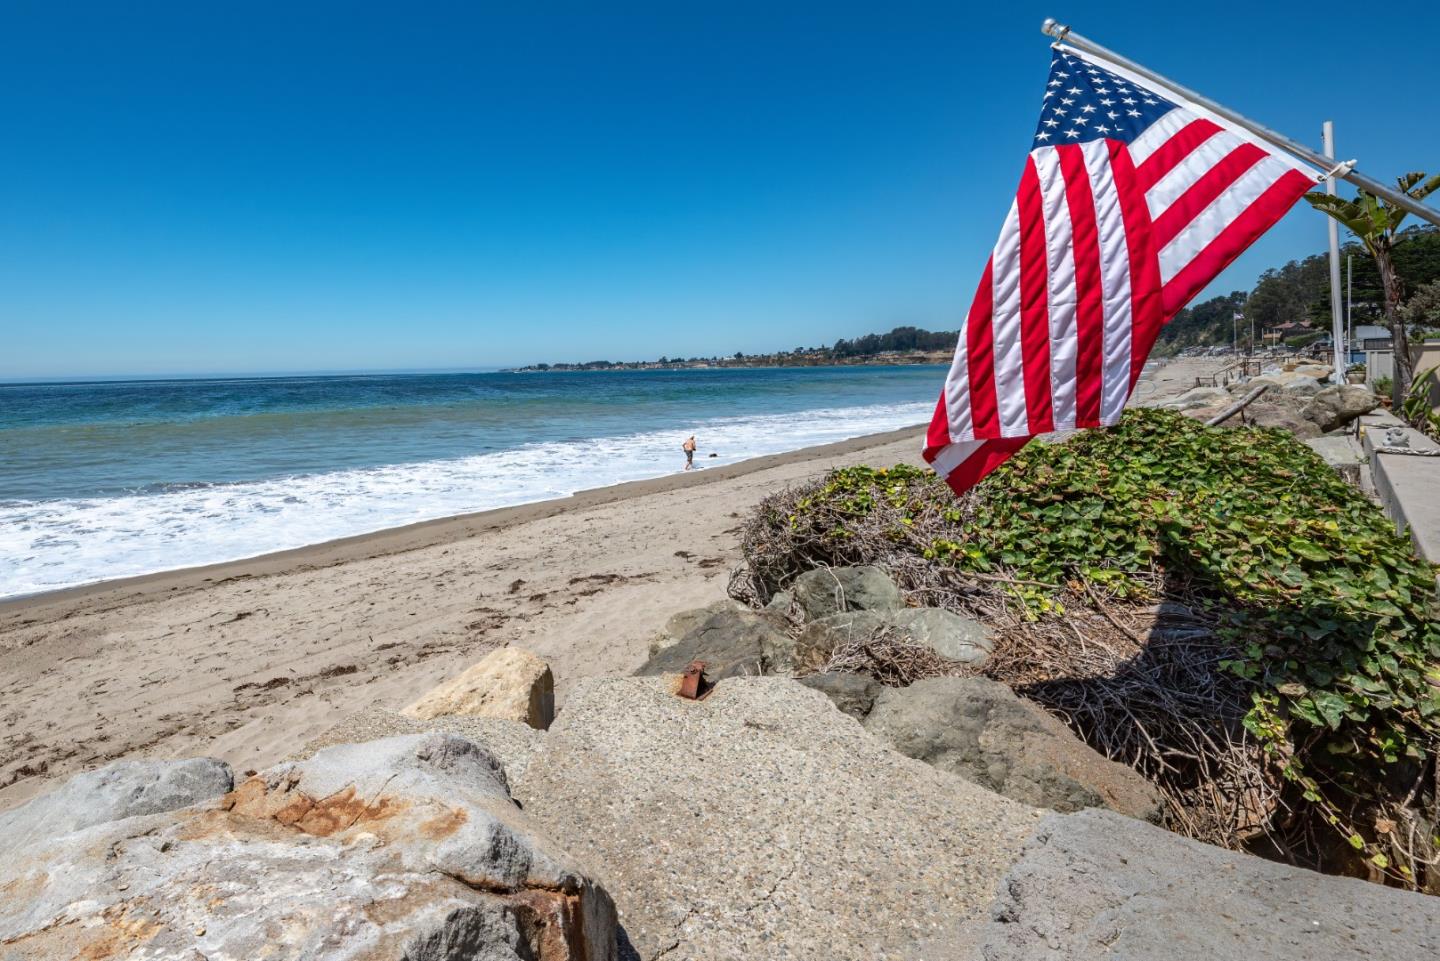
[[1342, 452], [1408, 485], [1379, 417], [1337, 449], [1096, 886]]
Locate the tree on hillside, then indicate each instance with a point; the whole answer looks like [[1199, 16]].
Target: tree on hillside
[[1294, 292], [1208, 322], [1422, 310], [1417, 259], [1375, 223], [899, 339]]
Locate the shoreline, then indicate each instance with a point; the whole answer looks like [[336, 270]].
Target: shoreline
[[427, 533]]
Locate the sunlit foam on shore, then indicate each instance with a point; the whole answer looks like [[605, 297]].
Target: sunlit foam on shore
[[48, 545]]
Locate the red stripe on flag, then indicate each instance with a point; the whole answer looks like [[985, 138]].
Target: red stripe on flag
[[1034, 315], [1169, 154], [990, 455], [1089, 295], [980, 356], [1146, 311], [939, 434], [1269, 207], [1202, 192]]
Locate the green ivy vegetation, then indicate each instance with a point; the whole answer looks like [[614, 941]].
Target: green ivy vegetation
[[1331, 616], [1417, 409]]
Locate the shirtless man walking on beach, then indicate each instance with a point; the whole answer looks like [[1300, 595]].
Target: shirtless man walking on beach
[[689, 448]]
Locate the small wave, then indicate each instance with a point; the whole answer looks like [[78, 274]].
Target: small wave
[[51, 544]]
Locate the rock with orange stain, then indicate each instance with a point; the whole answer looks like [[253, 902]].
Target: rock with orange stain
[[405, 847]]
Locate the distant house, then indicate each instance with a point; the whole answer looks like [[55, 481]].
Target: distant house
[[1279, 332], [1361, 333], [1370, 344]]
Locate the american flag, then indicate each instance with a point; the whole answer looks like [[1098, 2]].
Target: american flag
[[1130, 203]]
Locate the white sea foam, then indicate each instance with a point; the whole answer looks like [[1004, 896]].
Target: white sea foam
[[51, 544]]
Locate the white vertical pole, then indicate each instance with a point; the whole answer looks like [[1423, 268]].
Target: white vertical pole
[[1337, 337], [1350, 303]]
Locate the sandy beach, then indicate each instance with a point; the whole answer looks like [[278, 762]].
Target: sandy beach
[[246, 660]]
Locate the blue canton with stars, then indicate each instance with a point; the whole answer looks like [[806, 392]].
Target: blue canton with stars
[[1084, 102]]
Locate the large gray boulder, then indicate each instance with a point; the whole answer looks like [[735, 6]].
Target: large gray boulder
[[1277, 409], [1336, 406], [1297, 383], [1300, 384], [1096, 886], [408, 847], [981, 730], [683, 622], [820, 637], [948, 634], [762, 823], [124, 789], [1240, 388], [1315, 371], [853, 694], [831, 590], [1198, 397], [956, 638], [732, 643]]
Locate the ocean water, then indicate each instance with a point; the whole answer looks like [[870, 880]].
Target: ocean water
[[105, 480]]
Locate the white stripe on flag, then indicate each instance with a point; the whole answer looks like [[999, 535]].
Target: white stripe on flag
[[1224, 210], [1060, 297], [1009, 361], [1115, 282], [957, 388], [953, 455], [1183, 175], [1155, 135]]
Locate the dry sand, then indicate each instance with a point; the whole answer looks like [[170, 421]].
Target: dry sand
[[246, 660]]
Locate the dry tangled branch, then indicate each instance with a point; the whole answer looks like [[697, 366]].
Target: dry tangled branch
[[891, 659]]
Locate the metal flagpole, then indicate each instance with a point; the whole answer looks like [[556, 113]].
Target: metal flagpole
[[1345, 171], [1337, 325], [1349, 304]]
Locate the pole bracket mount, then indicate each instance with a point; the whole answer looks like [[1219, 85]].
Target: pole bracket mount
[[1340, 170]]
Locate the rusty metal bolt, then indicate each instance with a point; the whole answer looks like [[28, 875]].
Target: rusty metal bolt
[[693, 685]]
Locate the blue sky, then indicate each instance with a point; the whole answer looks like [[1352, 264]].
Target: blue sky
[[264, 187]]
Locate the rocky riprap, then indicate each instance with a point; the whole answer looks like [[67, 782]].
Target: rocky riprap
[[760, 822], [831, 816], [1301, 401], [967, 725]]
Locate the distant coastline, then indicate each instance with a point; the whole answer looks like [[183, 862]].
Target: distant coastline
[[715, 363], [903, 346]]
